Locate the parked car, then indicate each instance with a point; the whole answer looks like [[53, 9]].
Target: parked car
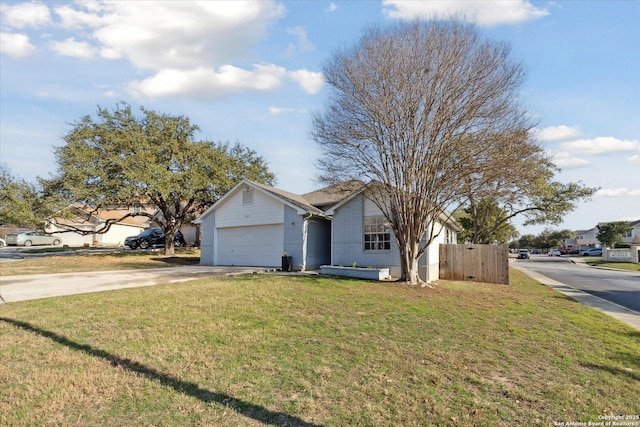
[[152, 237], [3, 243], [592, 252], [523, 254], [555, 252], [28, 238], [574, 252]]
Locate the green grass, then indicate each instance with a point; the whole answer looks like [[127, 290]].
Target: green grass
[[128, 260], [291, 350], [598, 262]]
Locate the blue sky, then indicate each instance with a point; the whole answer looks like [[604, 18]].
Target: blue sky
[[251, 72]]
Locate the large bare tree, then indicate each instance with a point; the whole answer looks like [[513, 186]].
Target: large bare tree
[[428, 111]]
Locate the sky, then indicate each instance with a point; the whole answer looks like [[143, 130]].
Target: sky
[[251, 72]]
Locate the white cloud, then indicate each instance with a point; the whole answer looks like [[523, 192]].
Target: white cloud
[[482, 12], [23, 15], [602, 144], [331, 8], [176, 35], [618, 192], [15, 45], [310, 81], [281, 110], [210, 83], [72, 48], [635, 159], [303, 44], [557, 133], [565, 160]]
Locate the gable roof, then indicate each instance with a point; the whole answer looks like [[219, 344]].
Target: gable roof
[[329, 196], [294, 201], [443, 217]]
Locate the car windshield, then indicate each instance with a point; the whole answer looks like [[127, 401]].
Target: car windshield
[[149, 231]]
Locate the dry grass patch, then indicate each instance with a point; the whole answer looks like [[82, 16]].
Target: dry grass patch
[[290, 350]]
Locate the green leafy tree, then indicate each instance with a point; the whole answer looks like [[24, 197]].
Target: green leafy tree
[[523, 188], [474, 220], [612, 233], [119, 159], [28, 205], [527, 241]]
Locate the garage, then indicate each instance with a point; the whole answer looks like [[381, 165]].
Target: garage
[[257, 245]]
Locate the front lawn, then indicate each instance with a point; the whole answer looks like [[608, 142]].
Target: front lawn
[[290, 350], [598, 262]]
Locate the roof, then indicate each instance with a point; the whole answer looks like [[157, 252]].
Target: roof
[[329, 196], [293, 200], [88, 216]]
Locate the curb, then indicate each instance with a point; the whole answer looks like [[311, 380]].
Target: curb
[[623, 314]]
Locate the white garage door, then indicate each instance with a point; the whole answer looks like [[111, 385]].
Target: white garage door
[[258, 245]]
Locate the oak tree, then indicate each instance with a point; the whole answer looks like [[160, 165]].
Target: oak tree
[[119, 159]]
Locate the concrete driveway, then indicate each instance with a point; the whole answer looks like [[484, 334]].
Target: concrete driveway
[[36, 286]]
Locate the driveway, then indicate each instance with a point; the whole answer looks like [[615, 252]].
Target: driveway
[[36, 286]]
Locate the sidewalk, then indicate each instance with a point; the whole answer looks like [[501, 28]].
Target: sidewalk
[[623, 314]]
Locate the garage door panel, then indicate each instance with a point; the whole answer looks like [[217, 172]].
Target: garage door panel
[[260, 245]]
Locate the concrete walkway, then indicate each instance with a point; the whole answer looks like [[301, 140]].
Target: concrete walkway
[[36, 286], [625, 315]]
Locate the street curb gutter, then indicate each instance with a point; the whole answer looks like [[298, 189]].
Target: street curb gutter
[[623, 314]]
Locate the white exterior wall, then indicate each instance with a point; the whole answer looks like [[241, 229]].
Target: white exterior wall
[[116, 235], [232, 213], [264, 210], [207, 231]]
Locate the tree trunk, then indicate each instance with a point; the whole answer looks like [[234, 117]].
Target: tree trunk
[[409, 263], [169, 237]]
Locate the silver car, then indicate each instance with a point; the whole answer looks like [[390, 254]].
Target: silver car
[[28, 238]]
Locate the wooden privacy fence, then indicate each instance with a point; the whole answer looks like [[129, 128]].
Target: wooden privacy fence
[[476, 263]]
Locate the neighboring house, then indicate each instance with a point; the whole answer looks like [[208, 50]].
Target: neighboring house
[[586, 239], [635, 232], [91, 223], [254, 224]]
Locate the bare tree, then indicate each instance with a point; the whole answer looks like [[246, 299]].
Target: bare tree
[[430, 112]]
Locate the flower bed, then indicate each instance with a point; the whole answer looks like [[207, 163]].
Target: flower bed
[[357, 272]]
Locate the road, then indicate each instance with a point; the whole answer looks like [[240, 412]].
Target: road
[[619, 287]]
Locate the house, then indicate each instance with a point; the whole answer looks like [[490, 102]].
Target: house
[[361, 235], [90, 223], [586, 239], [256, 225]]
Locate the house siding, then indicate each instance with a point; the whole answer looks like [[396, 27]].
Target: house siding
[[293, 224], [348, 242], [207, 236], [348, 239], [263, 211], [318, 243]]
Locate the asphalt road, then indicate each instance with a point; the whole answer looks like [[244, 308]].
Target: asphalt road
[[619, 287]]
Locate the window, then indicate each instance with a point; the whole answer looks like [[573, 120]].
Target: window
[[377, 234], [247, 196]]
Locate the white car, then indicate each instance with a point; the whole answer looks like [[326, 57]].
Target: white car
[[28, 238], [555, 252], [3, 243]]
